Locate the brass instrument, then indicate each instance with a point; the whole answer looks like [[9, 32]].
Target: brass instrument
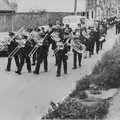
[[18, 47], [60, 45], [35, 48], [14, 52], [77, 46], [7, 41], [21, 43]]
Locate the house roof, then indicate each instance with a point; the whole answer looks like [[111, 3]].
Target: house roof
[[4, 6]]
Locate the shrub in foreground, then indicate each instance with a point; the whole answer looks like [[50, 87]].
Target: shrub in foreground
[[74, 108]]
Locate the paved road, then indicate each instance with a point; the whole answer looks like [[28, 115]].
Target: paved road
[[26, 97]]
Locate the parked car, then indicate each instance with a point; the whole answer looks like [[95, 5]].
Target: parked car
[[3, 45]]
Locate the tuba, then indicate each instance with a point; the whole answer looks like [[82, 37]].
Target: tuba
[[77, 45]]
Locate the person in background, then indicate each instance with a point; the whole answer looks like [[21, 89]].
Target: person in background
[[102, 35], [92, 41]]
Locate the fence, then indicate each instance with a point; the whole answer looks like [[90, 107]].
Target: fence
[[41, 18]]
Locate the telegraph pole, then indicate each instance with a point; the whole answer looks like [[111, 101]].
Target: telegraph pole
[[75, 7]]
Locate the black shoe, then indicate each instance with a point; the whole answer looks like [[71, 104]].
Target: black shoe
[[37, 73], [29, 71], [58, 75], [7, 70], [33, 64], [66, 73], [74, 68], [46, 70], [19, 73], [80, 65]]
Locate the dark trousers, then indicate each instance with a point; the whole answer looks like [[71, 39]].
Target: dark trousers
[[41, 58], [23, 59], [56, 59], [16, 62], [92, 48], [117, 30], [97, 46], [75, 55], [61, 58], [101, 45]]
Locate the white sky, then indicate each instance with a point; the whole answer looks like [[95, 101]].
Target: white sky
[[50, 5]]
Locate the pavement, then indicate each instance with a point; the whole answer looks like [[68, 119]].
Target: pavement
[[27, 97]]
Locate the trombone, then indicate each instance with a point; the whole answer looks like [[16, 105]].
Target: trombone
[[18, 47], [14, 52], [35, 48], [5, 43]]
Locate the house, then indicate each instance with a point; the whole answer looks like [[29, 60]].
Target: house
[[100, 9], [6, 16]]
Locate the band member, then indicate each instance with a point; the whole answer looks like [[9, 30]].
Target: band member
[[42, 52], [55, 36], [35, 35], [92, 41], [102, 35], [77, 47], [24, 51], [117, 25], [97, 37], [13, 44], [67, 34], [67, 29], [60, 48]]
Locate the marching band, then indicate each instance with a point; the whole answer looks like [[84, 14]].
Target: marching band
[[35, 43]]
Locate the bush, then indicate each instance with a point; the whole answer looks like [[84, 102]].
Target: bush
[[74, 108], [83, 84], [107, 72]]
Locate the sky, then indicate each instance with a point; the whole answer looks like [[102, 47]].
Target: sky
[[50, 5]]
